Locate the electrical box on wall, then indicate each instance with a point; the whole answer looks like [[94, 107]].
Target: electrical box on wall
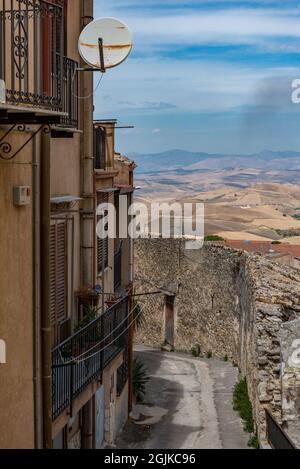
[[22, 196]]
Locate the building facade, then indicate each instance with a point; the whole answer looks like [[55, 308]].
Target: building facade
[[65, 311]]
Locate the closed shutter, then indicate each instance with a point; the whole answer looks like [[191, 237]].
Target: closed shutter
[[102, 244], [53, 274], [58, 277]]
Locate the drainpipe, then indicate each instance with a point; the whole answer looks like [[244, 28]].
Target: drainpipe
[[130, 349], [45, 292], [38, 428], [87, 165], [88, 218], [131, 321]]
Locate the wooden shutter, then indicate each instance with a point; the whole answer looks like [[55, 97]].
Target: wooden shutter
[[102, 244], [53, 274], [58, 277]]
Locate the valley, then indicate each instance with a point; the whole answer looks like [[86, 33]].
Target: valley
[[247, 203]]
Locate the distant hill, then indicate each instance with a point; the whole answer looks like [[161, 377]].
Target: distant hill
[[185, 161]]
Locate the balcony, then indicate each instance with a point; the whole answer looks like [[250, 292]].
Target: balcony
[[32, 63], [118, 269], [70, 93], [81, 359]]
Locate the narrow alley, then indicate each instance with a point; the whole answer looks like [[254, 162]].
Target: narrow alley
[[188, 405]]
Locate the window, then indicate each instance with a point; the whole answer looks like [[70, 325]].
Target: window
[[58, 279], [100, 148], [102, 244]]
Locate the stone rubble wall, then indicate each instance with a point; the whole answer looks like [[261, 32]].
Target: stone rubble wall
[[232, 304]]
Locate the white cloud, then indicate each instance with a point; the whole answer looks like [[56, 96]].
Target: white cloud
[[174, 86], [198, 27], [157, 89]]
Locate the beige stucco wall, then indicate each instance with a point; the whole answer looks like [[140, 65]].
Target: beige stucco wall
[[16, 377], [74, 28], [123, 173], [115, 408], [16, 258], [16, 278], [65, 166]]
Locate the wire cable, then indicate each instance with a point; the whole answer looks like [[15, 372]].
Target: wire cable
[[77, 359], [92, 348], [108, 345], [91, 94], [110, 334]]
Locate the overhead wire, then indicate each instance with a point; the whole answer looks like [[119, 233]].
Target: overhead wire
[[91, 94], [77, 359]]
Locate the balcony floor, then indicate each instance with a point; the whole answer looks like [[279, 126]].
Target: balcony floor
[[15, 114]]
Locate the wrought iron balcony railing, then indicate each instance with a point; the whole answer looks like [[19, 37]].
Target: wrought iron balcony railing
[[118, 269], [122, 373], [80, 360], [70, 93], [32, 62]]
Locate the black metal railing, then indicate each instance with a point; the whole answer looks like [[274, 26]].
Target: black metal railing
[[118, 270], [122, 374], [32, 63], [70, 92], [31, 51], [277, 437], [80, 360]]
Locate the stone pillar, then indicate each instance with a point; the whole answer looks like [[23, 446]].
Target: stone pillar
[[290, 378]]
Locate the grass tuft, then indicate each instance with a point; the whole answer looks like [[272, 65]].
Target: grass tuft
[[196, 351], [253, 442], [242, 404]]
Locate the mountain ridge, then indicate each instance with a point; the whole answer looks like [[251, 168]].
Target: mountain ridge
[[174, 160]]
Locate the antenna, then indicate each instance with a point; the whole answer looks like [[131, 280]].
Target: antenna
[[104, 43]]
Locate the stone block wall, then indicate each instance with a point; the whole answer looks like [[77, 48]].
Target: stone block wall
[[232, 304]]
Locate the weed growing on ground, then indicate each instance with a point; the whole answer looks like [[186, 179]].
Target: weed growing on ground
[[196, 351], [242, 404]]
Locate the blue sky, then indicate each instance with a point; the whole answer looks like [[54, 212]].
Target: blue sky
[[205, 75]]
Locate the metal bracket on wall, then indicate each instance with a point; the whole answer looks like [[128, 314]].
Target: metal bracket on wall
[[6, 150]]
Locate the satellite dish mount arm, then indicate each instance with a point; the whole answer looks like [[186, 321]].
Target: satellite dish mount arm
[[101, 55], [102, 68]]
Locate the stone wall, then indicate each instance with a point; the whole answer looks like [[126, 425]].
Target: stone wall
[[290, 345], [231, 304]]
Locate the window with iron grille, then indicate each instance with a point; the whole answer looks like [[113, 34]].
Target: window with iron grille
[[58, 278], [102, 244]]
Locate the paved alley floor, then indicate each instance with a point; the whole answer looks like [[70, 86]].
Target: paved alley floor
[[188, 405]]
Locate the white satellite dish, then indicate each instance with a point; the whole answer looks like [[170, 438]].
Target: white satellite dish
[[105, 43]]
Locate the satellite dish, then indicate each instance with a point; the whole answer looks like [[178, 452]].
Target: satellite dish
[[105, 43]]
